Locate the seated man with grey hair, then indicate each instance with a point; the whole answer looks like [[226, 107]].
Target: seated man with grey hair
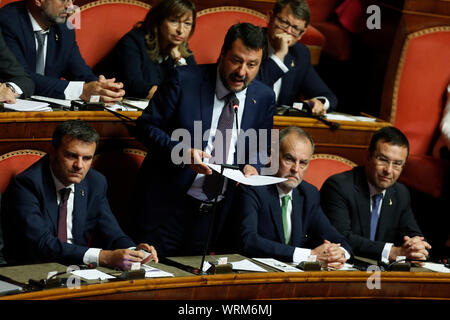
[[285, 221]]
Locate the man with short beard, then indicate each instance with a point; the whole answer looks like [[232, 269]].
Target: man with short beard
[[284, 221], [174, 201], [38, 34]]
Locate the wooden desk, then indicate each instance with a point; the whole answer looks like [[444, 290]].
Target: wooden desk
[[323, 285], [33, 130]]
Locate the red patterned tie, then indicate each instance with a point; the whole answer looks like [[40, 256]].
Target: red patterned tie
[[62, 219]]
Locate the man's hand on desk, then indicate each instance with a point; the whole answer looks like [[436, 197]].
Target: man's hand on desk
[[108, 90], [330, 255], [318, 107], [7, 94], [124, 258], [412, 248]]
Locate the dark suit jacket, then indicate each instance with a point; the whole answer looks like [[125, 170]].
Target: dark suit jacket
[[261, 224], [129, 63], [188, 96], [30, 218], [12, 71], [300, 80], [63, 58], [345, 199]]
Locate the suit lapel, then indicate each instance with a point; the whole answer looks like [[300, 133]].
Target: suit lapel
[[362, 200], [386, 213], [51, 46], [288, 80], [297, 223], [275, 210], [251, 104], [51, 204], [79, 211], [28, 34], [208, 92]]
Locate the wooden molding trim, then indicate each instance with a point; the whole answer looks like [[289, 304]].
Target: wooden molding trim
[[231, 9], [102, 2], [333, 157], [399, 72], [22, 152]]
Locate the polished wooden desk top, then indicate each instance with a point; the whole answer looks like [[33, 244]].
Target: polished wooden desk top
[[322, 285], [33, 130]]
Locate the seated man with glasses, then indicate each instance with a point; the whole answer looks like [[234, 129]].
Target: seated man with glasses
[[370, 208], [287, 67]]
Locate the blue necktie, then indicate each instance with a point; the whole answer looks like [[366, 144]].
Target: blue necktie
[[376, 199]]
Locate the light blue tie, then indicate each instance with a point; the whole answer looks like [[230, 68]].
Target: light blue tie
[[40, 61], [376, 199]]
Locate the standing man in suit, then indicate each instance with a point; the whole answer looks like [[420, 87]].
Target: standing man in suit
[[283, 221], [14, 82], [288, 68], [174, 198], [38, 34], [50, 210], [370, 208]]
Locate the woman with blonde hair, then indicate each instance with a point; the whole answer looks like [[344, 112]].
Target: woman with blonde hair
[[145, 55]]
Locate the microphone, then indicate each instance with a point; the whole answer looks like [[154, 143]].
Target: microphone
[[235, 103]]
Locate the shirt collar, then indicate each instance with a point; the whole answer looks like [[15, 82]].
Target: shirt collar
[[222, 92], [374, 191], [59, 185], [281, 193], [35, 25]]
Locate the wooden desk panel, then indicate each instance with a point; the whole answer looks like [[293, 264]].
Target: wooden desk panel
[[297, 286], [33, 130]]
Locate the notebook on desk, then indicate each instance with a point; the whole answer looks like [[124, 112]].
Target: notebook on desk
[[8, 288]]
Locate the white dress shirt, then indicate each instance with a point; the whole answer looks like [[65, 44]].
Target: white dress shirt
[[75, 88], [196, 190], [92, 254], [388, 246], [285, 69]]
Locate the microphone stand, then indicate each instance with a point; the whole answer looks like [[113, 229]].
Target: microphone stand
[[213, 214]]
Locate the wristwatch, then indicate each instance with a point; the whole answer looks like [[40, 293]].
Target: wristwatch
[[9, 85]]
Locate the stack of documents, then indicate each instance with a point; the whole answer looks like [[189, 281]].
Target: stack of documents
[[27, 105]]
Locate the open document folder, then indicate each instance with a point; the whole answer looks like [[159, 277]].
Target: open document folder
[[27, 105], [238, 176]]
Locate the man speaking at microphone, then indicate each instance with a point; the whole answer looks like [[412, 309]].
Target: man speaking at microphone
[[174, 201]]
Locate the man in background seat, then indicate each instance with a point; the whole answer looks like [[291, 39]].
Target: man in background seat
[[288, 66], [38, 34]]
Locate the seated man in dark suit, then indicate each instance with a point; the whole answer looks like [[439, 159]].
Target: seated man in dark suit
[[50, 211], [370, 208], [288, 68], [43, 41], [284, 220], [14, 82]]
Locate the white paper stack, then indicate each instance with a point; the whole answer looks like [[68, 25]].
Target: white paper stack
[[27, 105]]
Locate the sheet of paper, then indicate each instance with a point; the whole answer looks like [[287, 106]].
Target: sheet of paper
[[53, 100], [152, 272], [247, 265], [238, 176], [140, 104], [92, 274], [120, 107], [277, 265], [436, 267], [361, 118], [333, 116], [27, 105]]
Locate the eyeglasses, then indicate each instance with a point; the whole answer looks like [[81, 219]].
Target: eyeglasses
[[385, 162], [284, 24]]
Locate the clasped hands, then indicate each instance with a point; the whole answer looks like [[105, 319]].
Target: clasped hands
[[331, 255], [415, 248], [109, 90]]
